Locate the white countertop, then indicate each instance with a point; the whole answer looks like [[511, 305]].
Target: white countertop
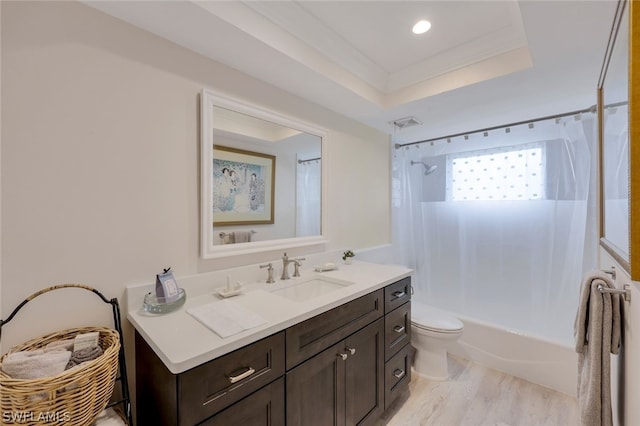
[[182, 342]]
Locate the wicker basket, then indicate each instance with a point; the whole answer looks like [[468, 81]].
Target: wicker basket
[[74, 397]]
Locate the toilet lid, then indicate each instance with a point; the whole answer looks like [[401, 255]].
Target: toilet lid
[[430, 319]]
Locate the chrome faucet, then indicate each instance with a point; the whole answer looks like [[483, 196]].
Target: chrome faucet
[[270, 279], [285, 266]]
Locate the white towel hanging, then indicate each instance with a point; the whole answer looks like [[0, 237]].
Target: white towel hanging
[[597, 330]]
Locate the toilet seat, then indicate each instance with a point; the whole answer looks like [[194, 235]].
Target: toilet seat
[[429, 319]]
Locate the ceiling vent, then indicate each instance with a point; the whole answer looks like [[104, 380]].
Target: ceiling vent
[[401, 123]]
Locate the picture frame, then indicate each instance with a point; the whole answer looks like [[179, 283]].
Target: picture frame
[[242, 187], [220, 128]]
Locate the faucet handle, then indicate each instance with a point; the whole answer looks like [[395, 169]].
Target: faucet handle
[[270, 279], [296, 266]]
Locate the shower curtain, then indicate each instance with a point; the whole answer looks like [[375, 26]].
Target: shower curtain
[[308, 198], [514, 262]]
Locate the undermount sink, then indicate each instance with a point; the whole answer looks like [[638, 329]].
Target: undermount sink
[[310, 288]]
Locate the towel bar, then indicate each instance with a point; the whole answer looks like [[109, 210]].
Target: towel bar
[[611, 272], [626, 293], [224, 234]]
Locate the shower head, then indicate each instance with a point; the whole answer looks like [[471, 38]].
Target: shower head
[[428, 168]]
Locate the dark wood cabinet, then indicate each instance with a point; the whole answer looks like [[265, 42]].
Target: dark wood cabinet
[[397, 329], [397, 309], [365, 374], [342, 385], [264, 407], [314, 391], [397, 374], [341, 367], [397, 294], [188, 398], [309, 337]]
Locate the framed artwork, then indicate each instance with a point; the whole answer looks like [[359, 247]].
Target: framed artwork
[[242, 187]]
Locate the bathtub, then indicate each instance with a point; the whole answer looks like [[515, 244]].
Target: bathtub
[[545, 362]]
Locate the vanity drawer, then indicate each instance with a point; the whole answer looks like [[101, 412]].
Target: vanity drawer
[[262, 408], [397, 294], [312, 336], [397, 375], [207, 389], [397, 329]]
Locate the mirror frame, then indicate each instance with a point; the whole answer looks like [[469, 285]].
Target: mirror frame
[[208, 100], [629, 261]]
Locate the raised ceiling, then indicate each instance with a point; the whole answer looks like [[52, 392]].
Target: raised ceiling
[[483, 62], [373, 41]]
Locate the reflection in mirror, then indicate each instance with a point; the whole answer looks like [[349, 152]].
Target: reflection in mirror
[[297, 177], [616, 178], [261, 179], [615, 143]]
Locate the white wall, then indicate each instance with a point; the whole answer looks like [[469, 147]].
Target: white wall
[[100, 162], [625, 367], [1, 316]]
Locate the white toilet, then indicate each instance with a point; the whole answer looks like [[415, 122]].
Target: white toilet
[[432, 331]]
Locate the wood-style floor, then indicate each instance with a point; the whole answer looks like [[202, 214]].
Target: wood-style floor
[[479, 396]]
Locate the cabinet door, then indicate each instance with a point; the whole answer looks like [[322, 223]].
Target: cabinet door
[[365, 374], [315, 390], [264, 407]]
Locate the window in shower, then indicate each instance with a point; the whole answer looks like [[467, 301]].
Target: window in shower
[[507, 173]]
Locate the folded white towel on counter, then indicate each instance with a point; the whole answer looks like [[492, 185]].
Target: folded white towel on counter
[[35, 364], [226, 318]]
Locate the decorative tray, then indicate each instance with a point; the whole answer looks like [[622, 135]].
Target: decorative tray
[[152, 305]]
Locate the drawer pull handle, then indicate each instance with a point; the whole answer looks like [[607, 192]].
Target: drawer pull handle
[[398, 294], [343, 356], [352, 351], [398, 328], [399, 373], [249, 371]]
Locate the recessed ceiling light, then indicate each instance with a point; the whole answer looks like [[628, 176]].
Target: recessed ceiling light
[[421, 27]]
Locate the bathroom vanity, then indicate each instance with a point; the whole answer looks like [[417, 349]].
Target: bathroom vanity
[[342, 362]]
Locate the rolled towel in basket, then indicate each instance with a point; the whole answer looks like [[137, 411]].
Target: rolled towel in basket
[[60, 345], [84, 355], [35, 364]]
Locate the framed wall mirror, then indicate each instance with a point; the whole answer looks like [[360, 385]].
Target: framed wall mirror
[[618, 128], [262, 179]]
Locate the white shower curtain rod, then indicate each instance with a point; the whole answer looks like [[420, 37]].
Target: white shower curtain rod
[[591, 109]]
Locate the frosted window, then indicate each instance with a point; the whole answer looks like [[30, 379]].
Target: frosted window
[[512, 173]]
